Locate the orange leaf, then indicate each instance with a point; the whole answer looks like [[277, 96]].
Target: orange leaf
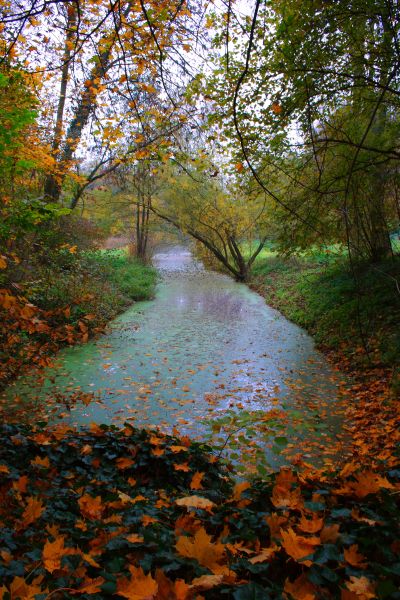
[[363, 587], [41, 462], [21, 484], [239, 489], [300, 588], [276, 108], [264, 555], [4, 469], [157, 451], [90, 507], [124, 463], [134, 538], [147, 520], [91, 586], [33, 511], [171, 590], [297, 546], [138, 587], [195, 502], [195, 484], [206, 582], [53, 553], [182, 467], [283, 497], [20, 589], [176, 449], [202, 549], [354, 558], [310, 525]]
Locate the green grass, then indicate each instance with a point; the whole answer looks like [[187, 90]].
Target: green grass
[[356, 316], [130, 277]]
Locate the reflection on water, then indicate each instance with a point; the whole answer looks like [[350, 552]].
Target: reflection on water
[[205, 344]]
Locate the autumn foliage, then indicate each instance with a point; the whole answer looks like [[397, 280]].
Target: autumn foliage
[[102, 513]]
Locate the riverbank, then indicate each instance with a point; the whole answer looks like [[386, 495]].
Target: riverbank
[[353, 317], [355, 322], [63, 301]]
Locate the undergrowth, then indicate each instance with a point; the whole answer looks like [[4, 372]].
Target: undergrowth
[[63, 296], [355, 315], [136, 514]]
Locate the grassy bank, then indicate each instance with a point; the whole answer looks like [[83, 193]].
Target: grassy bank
[[64, 298], [354, 316]]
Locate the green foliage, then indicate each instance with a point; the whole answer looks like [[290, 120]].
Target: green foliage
[[342, 312]]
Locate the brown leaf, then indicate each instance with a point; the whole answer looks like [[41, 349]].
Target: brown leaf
[[330, 533]]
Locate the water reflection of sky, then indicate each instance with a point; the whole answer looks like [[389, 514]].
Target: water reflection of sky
[[205, 344]]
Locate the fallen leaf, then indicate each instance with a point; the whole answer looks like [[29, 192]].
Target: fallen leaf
[[138, 587], [354, 558], [363, 587], [195, 502], [33, 510], [297, 546], [197, 478], [300, 588], [201, 548]]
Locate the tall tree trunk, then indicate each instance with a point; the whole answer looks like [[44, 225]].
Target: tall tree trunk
[[51, 185]]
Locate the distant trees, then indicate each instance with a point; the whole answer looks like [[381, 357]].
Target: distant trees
[[228, 225]]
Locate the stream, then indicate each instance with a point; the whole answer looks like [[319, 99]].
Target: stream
[[206, 357]]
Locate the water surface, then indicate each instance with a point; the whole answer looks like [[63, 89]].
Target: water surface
[[204, 346]]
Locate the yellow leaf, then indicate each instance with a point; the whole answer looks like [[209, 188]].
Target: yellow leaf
[[3, 262]]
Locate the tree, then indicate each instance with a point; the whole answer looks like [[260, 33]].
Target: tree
[[101, 57], [230, 226], [310, 82]]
